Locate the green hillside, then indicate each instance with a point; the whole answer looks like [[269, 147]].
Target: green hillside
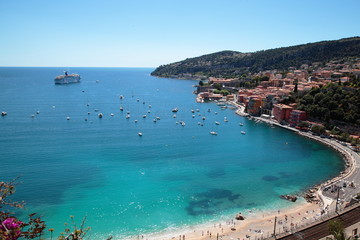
[[233, 64]]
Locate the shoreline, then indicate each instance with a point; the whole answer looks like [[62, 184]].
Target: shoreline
[[256, 224], [261, 223]]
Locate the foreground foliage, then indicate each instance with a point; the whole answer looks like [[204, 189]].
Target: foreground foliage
[[337, 231], [12, 228]]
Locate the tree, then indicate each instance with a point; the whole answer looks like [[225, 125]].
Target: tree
[[303, 124], [264, 78], [337, 231], [201, 83], [12, 228], [296, 88], [218, 86], [318, 129]]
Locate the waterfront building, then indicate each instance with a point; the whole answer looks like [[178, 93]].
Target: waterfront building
[[230, 97], [254, 105], [242, 98], [206, 96], [296, 116], [281, 112]]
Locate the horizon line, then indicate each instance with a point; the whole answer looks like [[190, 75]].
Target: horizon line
[[71, 67]]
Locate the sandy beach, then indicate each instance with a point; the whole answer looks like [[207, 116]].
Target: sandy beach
[[261, 224], [256, 225]]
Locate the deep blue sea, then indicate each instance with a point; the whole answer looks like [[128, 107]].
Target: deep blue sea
[[173, 176]]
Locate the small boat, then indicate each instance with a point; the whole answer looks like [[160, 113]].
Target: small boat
[[193, 116], [32, 115], [182, 123], [174, 116], [217, 123], [176, 122], [121, 108], [136, 121], [203, 118], [198, 123], [213, 133], [138, 100], [154, 120], [241, 124], [140, 134], [197, 110], [111, 114], [175, 110], [3, 114], [121, 97], [157, 118], [100, 115], [215, 113], [144, 116], [149, 111], [225, 119], [209, 110], [192, 110], [67, 118], [242, 132], [89, 113], [127, 116], [128, 112], [149, 106], [37, 112]]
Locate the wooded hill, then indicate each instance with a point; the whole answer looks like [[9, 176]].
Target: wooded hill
[[231, 64], [336, 106]]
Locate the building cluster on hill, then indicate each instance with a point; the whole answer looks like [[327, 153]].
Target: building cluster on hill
[[267, 97]]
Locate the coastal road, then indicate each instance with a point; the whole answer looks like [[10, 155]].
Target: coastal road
[[346, 191]]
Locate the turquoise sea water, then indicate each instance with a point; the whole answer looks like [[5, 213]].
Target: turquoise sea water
[[172, 176]]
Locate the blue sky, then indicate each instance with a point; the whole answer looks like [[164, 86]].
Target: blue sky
[[148, 33]]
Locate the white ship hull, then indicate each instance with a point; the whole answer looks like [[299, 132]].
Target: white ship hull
[[66, 79]]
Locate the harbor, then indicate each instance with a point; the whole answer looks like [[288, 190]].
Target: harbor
[[157, 174]]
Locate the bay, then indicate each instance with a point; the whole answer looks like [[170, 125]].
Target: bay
[[171, 177]]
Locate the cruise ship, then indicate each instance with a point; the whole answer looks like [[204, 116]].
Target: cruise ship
[[67, 78]]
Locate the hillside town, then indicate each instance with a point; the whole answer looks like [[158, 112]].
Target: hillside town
[[274, 87]]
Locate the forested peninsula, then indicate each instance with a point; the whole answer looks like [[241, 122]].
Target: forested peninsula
[[233, 64]]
